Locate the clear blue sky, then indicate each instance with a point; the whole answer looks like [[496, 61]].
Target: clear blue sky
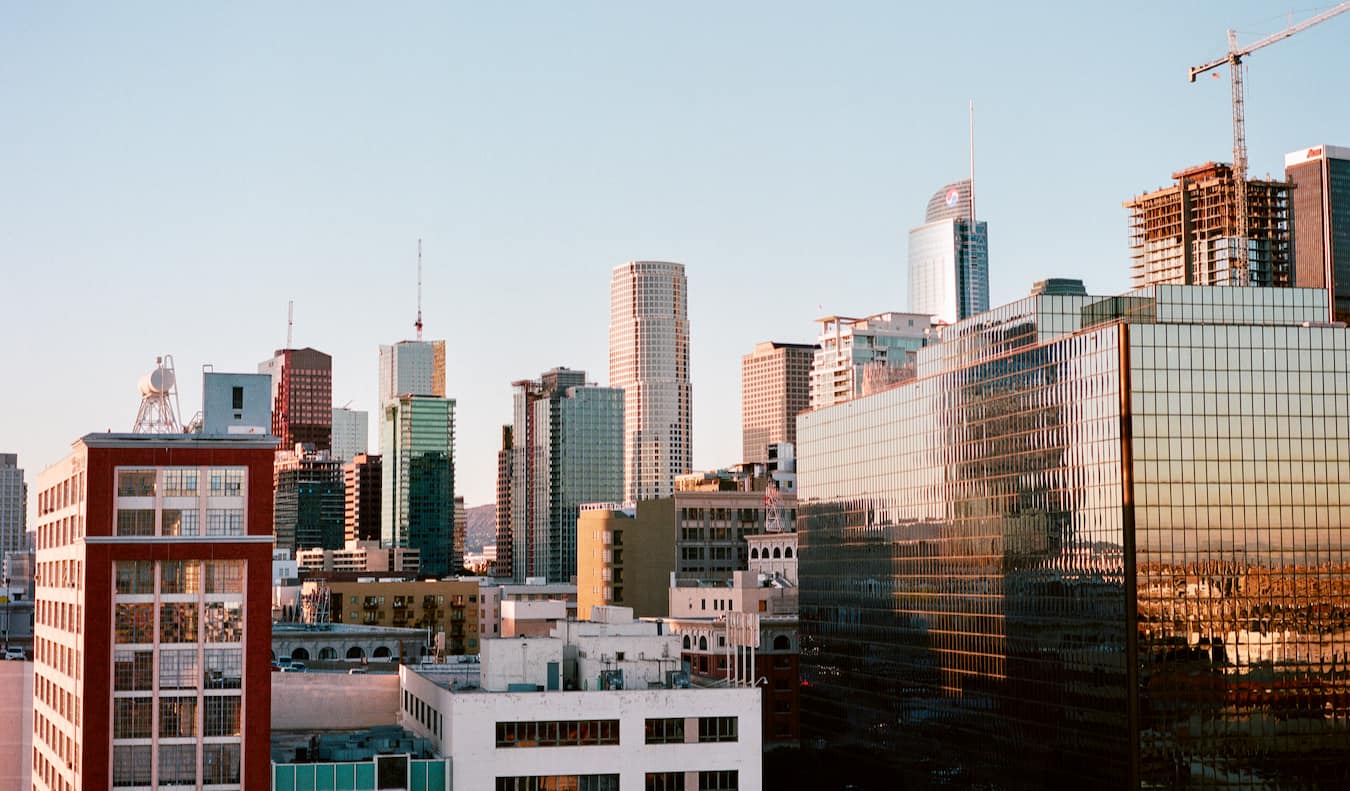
[[172, 173]]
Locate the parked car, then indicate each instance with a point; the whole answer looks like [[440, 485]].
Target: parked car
[[294, 667], [15, 653]]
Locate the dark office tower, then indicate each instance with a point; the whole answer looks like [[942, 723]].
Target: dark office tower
[[1187, 233], [503, 512], [1321, 177], [362, 484], [309, 500], [302, 397], [1095, 543]]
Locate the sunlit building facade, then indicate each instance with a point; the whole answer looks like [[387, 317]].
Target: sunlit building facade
[[649, 361], [1096, 543]]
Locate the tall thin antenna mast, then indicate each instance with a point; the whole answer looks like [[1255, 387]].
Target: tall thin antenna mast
[[418, 325], [972, 164], [290, 323]]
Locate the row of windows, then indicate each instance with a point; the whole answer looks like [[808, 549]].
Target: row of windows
[[559, 783], [724, 780], [557, 733], [133, 718], [179, 668], [180, 482], [179, 576], [180, 622], [133, 765], [423, 712], [177, 522]]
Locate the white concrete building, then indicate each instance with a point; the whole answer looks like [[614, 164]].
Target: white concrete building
[[649, 359], [492, 594], [361, 556], [848, 346], [595, 706], [351, 433]]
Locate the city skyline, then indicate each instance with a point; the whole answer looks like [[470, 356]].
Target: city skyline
[[216, 170]]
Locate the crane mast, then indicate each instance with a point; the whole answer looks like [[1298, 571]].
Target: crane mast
[[1234, 60]]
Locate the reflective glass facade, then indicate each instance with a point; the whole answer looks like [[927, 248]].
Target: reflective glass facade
[[418, 488], [1096, 543]]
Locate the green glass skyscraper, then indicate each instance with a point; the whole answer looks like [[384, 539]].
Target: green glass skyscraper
[[418, 491]]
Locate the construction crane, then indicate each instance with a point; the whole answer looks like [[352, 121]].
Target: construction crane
[[1234, 60]]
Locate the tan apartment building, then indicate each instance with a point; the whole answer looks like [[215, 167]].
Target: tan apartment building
[[626, 554], [443, 606]]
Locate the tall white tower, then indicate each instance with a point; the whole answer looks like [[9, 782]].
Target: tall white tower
[[649, 359]]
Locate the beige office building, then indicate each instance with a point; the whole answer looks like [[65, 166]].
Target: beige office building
[[649, 360], [775, 386]]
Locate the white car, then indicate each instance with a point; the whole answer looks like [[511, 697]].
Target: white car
[[15, 653]]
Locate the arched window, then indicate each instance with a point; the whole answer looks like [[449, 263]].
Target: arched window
[[703, 643], [781, 643], [754, 553], [380, 652], [686, 642], [777, 553], [355, 652], [787, 553], [300, 655], [328, 652]]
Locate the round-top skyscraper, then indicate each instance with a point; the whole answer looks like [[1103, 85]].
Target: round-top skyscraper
[[649, 359]]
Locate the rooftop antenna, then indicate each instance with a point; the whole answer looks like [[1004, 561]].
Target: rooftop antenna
[[418, 325], [290, 322], [972, 164]]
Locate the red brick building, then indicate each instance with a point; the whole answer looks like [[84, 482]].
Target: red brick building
[[153, 613]]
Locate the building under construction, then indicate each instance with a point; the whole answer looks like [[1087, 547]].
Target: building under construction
[[1187, 233]]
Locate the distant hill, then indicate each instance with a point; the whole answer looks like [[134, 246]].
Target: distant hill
[[482, 527]]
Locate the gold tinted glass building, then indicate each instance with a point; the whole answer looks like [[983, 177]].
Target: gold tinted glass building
[[1096, 543]]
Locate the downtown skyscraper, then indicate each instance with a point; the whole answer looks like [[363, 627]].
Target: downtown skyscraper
[[1321, 178], [567, 449], [417, 446], [13, 506], [649, 360], [949, 257], [302, 397]]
